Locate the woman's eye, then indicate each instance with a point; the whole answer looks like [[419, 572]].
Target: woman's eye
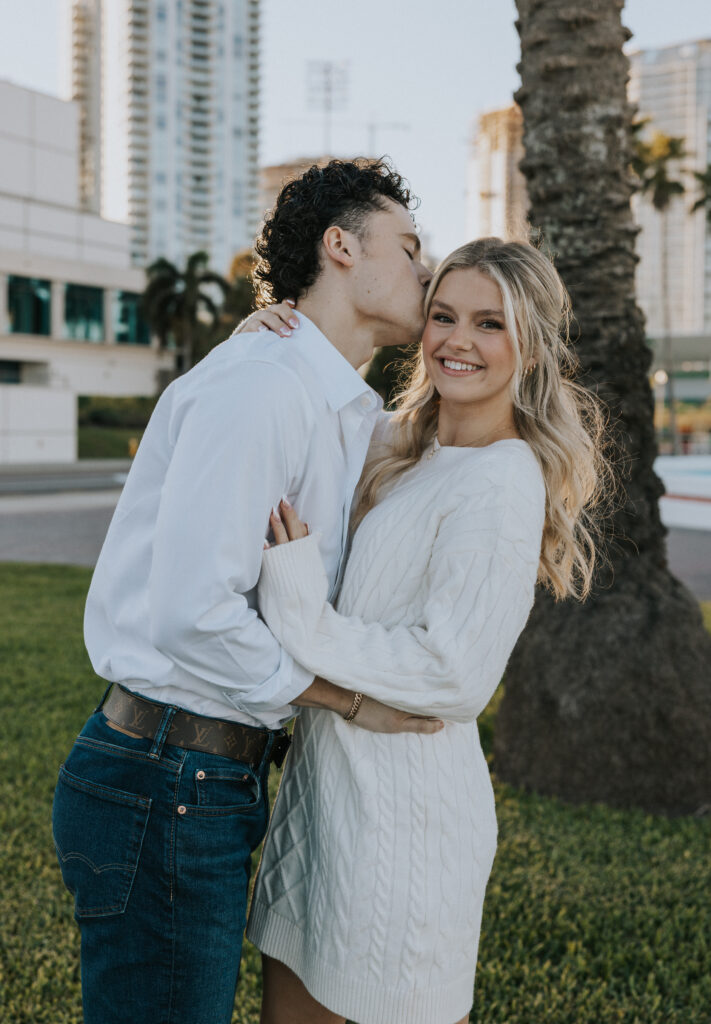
[[442, 318], [492, 325]]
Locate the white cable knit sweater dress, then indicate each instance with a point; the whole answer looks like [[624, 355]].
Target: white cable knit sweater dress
[[372, 879]]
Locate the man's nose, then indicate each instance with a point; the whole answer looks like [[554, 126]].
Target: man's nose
[[425, 275]]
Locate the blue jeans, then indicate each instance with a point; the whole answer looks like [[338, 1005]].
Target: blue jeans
[[155, 844]]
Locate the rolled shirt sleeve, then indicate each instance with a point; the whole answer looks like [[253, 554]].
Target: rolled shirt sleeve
[[236, 448]]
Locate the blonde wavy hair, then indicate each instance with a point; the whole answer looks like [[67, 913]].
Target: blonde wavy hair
[[563, 423]]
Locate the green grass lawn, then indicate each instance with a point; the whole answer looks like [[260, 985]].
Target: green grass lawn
[[105, 442], [592, 916]]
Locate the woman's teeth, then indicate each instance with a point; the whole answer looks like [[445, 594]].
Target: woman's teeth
[[452, 365]]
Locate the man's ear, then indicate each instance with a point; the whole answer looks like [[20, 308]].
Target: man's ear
[[339, 245]]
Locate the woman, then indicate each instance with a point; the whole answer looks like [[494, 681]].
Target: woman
[[369, 896]]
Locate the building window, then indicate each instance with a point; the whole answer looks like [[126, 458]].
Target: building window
[[129, 326], [9, 372], [83, 312], [28, 305]]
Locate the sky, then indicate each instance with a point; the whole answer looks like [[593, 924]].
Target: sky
[[418, 72]]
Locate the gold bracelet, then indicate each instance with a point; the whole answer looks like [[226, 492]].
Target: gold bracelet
[[357, 701]]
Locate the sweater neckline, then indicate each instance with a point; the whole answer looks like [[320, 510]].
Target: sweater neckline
[[436, 448]]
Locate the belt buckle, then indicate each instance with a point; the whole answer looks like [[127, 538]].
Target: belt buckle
[[280, 748]]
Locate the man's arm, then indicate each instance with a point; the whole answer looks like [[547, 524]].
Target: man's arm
[[238, 443]]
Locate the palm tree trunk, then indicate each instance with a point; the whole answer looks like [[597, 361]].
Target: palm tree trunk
[[609, 700], [667, 354]]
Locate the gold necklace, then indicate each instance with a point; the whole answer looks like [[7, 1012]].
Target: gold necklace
[[435, 448]]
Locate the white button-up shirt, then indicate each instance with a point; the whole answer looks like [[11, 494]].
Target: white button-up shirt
[[171, 610]]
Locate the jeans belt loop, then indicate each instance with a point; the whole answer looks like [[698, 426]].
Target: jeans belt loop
[[162, 733]]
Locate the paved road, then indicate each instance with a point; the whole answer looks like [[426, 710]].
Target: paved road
[[90, 475], [70, 528]]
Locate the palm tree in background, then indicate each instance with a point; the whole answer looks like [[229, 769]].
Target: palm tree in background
[[184, 306], [611, 699], [652, 161], [703, 179]]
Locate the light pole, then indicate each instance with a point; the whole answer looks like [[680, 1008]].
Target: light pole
[[327, 84]]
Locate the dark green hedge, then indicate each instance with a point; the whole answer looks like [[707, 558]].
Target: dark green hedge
[[592, 916], [101, 411]]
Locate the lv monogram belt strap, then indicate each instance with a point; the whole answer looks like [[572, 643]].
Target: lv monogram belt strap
[[194, 732]]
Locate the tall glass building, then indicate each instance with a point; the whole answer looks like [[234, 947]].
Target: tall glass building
[[672, 89], [177, 153]]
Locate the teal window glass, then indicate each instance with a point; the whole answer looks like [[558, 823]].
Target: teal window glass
[[28, 305], [129, 326], [9, 372], [83, 312]]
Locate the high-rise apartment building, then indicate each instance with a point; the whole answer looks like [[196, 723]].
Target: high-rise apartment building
[[178, 147], [86, 90], [497, 202], [671, 87]]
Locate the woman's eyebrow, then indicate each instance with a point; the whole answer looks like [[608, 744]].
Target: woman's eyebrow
[[476, 313]]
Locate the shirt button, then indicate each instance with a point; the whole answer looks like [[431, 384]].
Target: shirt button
[[200, 774], [182, 809]]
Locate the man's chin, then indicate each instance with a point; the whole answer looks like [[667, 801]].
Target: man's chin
[[399, 336]]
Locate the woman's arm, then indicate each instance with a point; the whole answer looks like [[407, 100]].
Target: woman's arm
[[479, 588]]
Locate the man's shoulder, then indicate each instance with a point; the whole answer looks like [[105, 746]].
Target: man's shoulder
[[260, 363]]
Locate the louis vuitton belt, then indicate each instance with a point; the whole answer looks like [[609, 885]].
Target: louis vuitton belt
[[195, 732]]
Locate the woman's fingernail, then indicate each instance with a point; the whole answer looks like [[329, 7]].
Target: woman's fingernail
[[290, 302], [276, 514], [285, 332], [267, 545], [293, 321], [285, 501]]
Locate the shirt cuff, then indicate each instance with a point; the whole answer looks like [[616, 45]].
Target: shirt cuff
[[270, 701]]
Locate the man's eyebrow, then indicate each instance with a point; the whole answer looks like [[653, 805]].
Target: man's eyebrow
[[413, 238]]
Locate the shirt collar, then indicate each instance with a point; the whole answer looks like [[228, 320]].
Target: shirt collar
[[342, 383]]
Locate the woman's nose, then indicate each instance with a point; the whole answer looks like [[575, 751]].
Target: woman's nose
[[460, 338]]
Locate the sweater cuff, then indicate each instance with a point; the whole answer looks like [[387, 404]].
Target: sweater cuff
[[295, 570]]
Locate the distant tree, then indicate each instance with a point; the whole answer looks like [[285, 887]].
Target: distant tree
[[240, 299], [653, 161], [184, 306], [703, 179], [609, 700], [386, 368]]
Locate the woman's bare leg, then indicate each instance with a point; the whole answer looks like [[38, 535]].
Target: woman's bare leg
[[285, 999]]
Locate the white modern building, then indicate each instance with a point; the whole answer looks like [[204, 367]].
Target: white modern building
[[176, 151], [671, 87], [496, 198], [69, 317]]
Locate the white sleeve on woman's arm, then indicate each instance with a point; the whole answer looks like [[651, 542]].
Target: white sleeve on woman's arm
[[480, 585]]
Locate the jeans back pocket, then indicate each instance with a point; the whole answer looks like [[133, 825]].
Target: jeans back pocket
[[98, 835]]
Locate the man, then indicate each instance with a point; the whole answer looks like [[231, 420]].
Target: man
[[163, 797]]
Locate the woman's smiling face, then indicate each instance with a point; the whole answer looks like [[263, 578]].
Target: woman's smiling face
[[467, 350]]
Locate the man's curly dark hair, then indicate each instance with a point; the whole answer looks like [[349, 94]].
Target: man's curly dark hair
[[343, 193]]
